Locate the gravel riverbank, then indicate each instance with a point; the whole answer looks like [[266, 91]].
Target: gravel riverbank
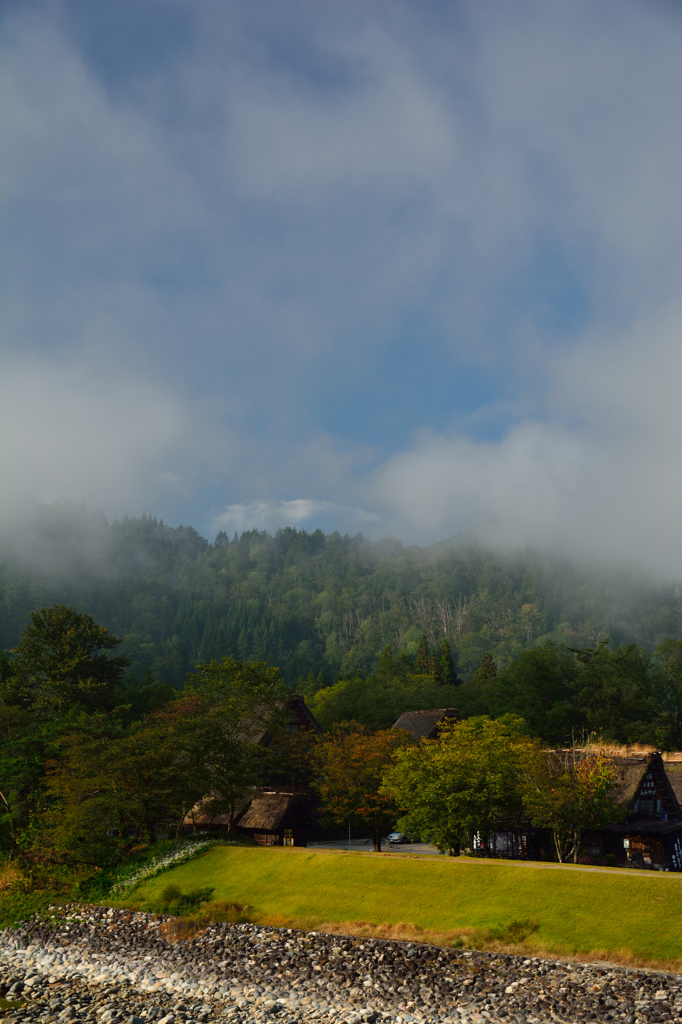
[[96, 965]]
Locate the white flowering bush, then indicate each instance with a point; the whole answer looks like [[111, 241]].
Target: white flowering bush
[[169, 859]]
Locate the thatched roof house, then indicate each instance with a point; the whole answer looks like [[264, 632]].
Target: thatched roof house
[[648, 789], [425, 724], [278, 819], [648, 783], [270, 817], [299, 718]]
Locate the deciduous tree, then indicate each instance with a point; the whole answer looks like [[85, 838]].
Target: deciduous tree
[[106, 786], [461, 784], [351, 762], [569, 792], [239, 703]]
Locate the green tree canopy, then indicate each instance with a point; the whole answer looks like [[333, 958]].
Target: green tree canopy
[[667, 693], [62, 661], [540, 687], [422, 661], [239, 706], [379, 703], [107, 786], [461, 784], [613, 692], [444, 668], [306, 601]]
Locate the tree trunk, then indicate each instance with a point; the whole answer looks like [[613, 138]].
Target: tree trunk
[[559, 851], [576, 846], [10, 819], [377, 842]]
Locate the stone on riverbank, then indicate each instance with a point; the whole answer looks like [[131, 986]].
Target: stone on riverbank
[[93, 964]]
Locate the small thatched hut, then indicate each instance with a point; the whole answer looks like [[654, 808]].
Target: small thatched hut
[[278, 819]]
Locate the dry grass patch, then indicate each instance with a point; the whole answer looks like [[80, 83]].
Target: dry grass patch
[[512, 940], [188, 927], [9, 873]]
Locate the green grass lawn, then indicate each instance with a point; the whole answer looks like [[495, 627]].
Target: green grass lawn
[[636, 917]]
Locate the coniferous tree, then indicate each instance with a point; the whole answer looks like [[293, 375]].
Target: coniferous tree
[[422, 662], [445, 667], [61, 661], [386, 665], [487, 672]]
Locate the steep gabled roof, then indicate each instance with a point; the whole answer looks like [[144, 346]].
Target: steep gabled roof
[[632, 770], [301, 719], [273, 811], [204, 811], [424, 724], [673, 771]]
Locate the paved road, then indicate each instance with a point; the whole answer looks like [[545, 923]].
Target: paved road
[[363, 845], [425, 849]]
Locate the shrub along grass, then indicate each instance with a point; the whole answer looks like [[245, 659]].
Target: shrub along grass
[[623, 916]]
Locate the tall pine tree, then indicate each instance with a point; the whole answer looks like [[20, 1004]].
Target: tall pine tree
[[444, 672], [487, 671], [423, 661], [386, 665]]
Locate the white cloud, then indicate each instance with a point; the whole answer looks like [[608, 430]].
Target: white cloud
[[388, 125], [270, 515], [206, 294], [88, 432], [601, 477]]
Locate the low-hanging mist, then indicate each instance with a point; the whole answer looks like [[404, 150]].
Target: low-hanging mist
[[316, 605]]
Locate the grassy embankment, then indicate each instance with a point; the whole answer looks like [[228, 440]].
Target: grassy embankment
[[620, 916]]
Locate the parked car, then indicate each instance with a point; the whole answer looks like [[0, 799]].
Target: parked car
[[398, 837]]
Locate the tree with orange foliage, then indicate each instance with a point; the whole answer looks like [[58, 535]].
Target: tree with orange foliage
[[351, 761], [569, 793]]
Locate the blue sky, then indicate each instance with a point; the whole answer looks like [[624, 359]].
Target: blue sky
[[398, 267]]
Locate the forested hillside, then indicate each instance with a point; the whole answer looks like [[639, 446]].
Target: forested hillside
[[312, 603]]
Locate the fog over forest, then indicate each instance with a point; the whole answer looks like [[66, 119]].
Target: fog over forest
[[316, 603]]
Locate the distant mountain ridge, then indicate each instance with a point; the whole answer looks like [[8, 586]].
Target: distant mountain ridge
[[315, 603]]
